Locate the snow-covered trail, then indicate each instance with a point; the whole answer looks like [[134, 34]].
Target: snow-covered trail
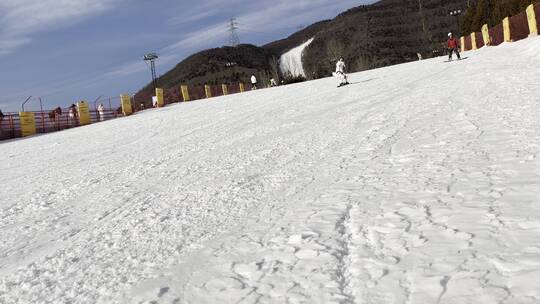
[[418, 183]]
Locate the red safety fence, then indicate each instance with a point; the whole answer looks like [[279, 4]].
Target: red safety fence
[[537, 14], [479, 40], [519, 29], [496, 34], [197, 92], [468, 43], [519, 26], [233, 89], [47, 121]]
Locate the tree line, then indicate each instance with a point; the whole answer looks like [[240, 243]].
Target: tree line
[[490, 12]]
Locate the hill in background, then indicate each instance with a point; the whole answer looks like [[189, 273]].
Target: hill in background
[[369, 36]]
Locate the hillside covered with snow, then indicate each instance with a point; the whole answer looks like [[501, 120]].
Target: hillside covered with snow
[[290, 63], [417, 183]]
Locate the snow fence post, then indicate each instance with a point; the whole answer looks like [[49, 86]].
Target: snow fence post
[[27, 120], [185, 92], [207, 91], [462, 44], [242, 87], [473, 41], [485, 34], [531, 17], [225, 89], [506, 27], [159, 95], [84, 113], [125, 100]]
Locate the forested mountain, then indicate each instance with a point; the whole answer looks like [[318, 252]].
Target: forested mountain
[[368, 36]]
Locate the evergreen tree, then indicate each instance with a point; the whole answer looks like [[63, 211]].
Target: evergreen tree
[[480, 16], [466, 20]]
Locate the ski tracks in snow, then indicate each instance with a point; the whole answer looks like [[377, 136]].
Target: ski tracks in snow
[[392, 191]]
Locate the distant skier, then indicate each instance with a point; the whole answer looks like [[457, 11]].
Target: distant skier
[[253, 82], [273, 82], [340, 72], [101, 111], [453, 46], [1, 118], [73, 114]]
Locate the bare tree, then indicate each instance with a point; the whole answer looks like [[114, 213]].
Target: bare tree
[[334, 49]]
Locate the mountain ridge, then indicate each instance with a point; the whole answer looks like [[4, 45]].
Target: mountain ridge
[[384, 33]]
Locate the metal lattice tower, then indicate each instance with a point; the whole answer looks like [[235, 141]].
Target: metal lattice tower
[[233, 27], [151, 57]]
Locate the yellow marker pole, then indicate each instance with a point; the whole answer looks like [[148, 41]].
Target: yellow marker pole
[[485, 35], [242, 88], [207, 91], [84, 113], [462, 44], [28, 123], [473, 41], [531, 17], [506, 26], [225, 89], [160, 99], [185, 92], [126, 104]]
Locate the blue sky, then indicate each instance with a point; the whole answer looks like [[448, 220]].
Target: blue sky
[[69, 50]]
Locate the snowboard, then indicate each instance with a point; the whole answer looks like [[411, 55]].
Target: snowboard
[[463, 58], [340, 77]]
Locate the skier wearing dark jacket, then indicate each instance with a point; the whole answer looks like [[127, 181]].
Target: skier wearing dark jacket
[[453, 46]]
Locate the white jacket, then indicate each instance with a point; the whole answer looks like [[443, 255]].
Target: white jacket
[[253, 79], [340, 67]]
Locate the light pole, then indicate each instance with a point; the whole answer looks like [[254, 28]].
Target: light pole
[[152, 58], [456, 13], [27, 99]]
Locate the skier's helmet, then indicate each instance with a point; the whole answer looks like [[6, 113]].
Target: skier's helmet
[[341, 59], [449, 34]]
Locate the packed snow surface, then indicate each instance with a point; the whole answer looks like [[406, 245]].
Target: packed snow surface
[[417, 183], [291, 61]]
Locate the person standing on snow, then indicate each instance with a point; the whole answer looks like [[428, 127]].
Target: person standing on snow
[[253, 82], [73, 114], [101, 111], [453, 46], [340, 72]]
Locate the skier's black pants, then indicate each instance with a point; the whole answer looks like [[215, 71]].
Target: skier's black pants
[[451, 51]]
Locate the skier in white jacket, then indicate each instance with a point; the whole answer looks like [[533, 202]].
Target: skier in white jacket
[[340, 72], [253, 82], [101, 111]]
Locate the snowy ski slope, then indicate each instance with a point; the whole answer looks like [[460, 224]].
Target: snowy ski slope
[[418, 183]]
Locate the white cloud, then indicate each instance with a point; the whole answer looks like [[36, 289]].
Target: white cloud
[[19, 19], [9, 44]]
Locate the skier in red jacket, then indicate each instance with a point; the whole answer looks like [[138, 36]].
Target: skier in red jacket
[[453, 46]]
